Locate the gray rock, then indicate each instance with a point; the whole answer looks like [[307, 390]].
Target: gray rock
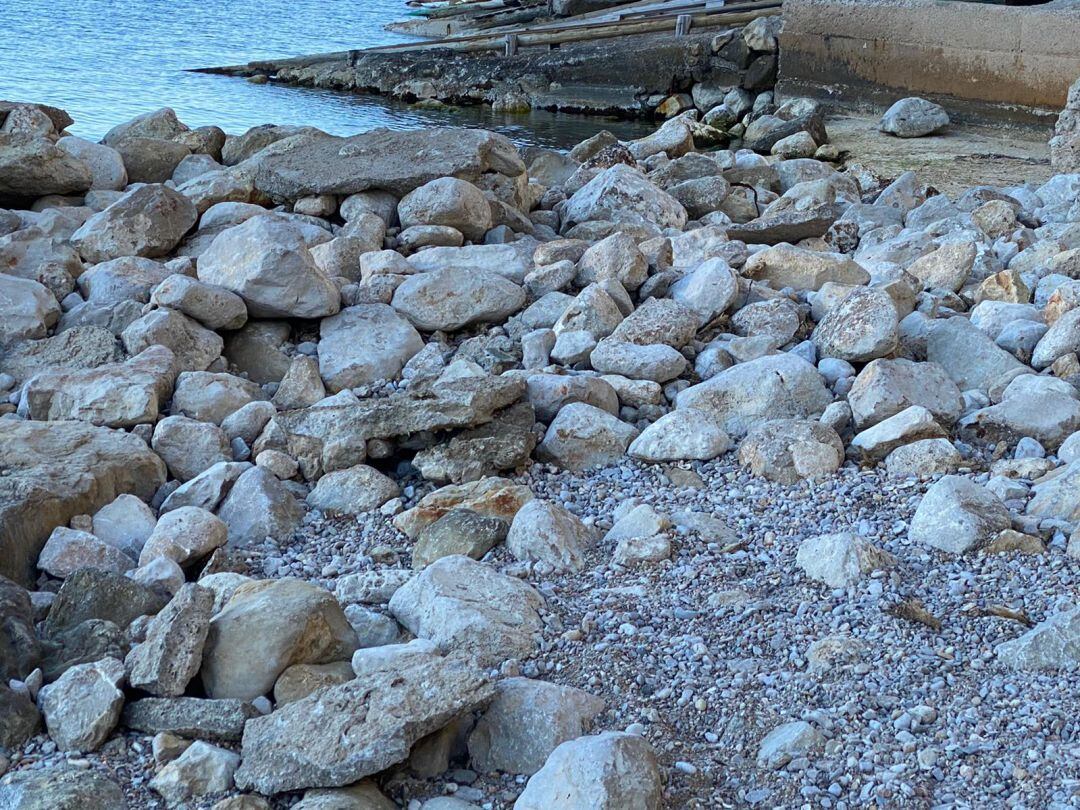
[[526, 721], [352, 491], [365, 343], [93, 594], [957, 515], [447, 201], [681, 435], [61, 788], [82, 707], [449, 299], [545, 532], [913, 117], [340, 735], [461, 604], [68, 550], [170, 656], [609, 771], [189, 717], [213, 307], [265, 628], [840, 560], [33, 167], [147, 221], [786, 742], [884, 388], [259, 506], [201, 770], [622, 194], [459, 531], [582, 436], [862, 327], [189, 447], [194, 347], [27, 309], [788, 450], [1053, 644], [266, 262]]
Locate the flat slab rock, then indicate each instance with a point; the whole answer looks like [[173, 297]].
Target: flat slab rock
[[189, 717], [384, 159], [56, 470], [340, 735]]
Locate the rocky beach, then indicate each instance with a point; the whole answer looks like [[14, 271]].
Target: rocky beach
[[420, 470]]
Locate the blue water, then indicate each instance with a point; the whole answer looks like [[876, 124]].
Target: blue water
[[105, 61]]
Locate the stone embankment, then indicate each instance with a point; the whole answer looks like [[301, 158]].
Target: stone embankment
[[408, 470], [631, 75]]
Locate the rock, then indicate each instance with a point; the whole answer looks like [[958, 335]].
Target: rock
[[910, 425], [884, 388], [460, 604], [147, 221], [788, 450], [61, 787], [214, 307], [1062, 338], [371, 587], [194, 347], [786, 742], [211, 397], [602, 772], [862, 327], [946, 268], [616, 257], [352, 491], [19, 720], [302, 386], [840, 560], [622, 194], [365, 343], [267, 627], [189, 717], [657, 362], [923, 459], [364, 795], [526, 721], [92, 594], [459, 531], [513, 261], [259, 506], [681, 435], [27, 308], [1052, 644], [301, 680], [504, 443], [957, 515], [170, 656], [545, 532], [781, 386], [201, 770], [789, 266], [207, 489], [582, 436], [118, 395], [342, 734], [267, 263], [67, 550], [189, 447], [20, 652], [33, 167], [1064, 146], [913, 118], [1058, 497], [82, 707], [489, 497], [449, 300], [447, 201], [56, 470], [968, 354], [383, 159], [709, 290]]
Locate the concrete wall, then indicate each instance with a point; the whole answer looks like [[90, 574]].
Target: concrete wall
[[964, 54]]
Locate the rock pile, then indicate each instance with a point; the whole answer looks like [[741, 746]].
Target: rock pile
[[212, 344]]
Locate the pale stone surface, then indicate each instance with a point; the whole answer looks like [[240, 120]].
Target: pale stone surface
[[365, 343], [545, 532], [681, 435], [82, 707], [840, 560], [957, 515]]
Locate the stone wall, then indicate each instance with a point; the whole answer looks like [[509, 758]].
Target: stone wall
[[1020, 59]]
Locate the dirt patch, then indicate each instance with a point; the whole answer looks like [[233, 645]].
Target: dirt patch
[[962, 157]]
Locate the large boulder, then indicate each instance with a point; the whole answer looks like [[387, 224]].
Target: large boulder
[[147, 221], [1052, 644], [170, 655], [862, 327], [56, 470], [20, 651], [35, 167], [884, 388], [780, 386], [788, 450], [609, 771], [546, 532], [259, 506], [582, 436], [450, 299], [83, 706], [268, 626], [61, 787], [118, 395], [266, 262], [384, 159], [625, 195], [339, 735], [105, 163], [27, 309], [913, 117], [467, 606], [968, 355], [365, 343], [1065, 145]]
